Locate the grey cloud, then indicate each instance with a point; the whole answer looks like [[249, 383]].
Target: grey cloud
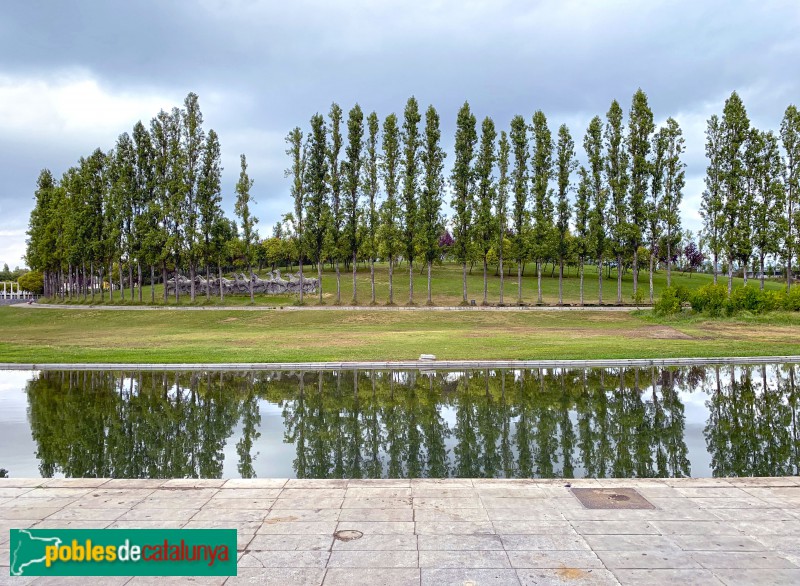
[[261, 68]]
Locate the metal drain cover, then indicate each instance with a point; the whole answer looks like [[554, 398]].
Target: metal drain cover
[[611, 498], [348, 535]]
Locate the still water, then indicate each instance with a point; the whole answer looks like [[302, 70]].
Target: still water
[[610, 422]]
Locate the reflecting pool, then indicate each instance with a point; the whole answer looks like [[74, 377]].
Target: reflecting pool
[[562, 422]]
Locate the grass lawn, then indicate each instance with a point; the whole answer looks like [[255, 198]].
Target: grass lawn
[[31, 335], [446, 287]]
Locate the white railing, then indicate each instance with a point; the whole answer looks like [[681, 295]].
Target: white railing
[[10, 292]]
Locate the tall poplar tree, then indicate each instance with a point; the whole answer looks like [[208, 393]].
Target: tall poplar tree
[[316, 191], [335, 190], [766, 173], [485, 221], [674, 181], [640, 131], [247, 220], [193, 144], [583, 214], [711, 205], [790, 137], [501, 205], [519, 176], [462, 182], [565, 164], [410, 176], [655, 221], [352, 187], [371, 187], [735, 129], [616, 166], [430, 199], [542, 171], [390, 234], [593, 145], [296, 171], [209, 204]]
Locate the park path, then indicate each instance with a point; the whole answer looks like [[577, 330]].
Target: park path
[[427, 532], [606, 308]]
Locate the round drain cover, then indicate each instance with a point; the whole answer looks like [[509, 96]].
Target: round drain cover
[[348, 535]]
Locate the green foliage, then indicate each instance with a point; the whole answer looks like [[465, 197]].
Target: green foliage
[[671, 301], [33, 282], [462, 180], [792, 300], [710, 299]]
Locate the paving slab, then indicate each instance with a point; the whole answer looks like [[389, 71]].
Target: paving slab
[[444, 531]]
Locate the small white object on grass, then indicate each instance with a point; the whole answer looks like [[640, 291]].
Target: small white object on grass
[[427, 357]]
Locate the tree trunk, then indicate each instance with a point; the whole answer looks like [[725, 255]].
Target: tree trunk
[[69, 280], [208, 282], [485, 282], [139, 279], [430, 300], [561, 281], [669, 264], [501, 277], [762, 270], [716, 267], [539, 282], [111, 282], [355, 266], [130, 278], [730, 276], [121, 284], [652, 259], [152, 284], [164, 280], [319, 279], [250, 270], [85, 283], [519, 282], [338, 284], [410, 282], [192, 272], [464, 282], [619, 280], [372, 280], [635, 272], [580, 271], [744, 273], [102, 289], [391, 282], [221, 289], [600, 281], [301, 279]]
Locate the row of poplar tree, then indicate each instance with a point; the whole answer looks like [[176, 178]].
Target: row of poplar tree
[[517, 215], [378, 192], [153, 200]]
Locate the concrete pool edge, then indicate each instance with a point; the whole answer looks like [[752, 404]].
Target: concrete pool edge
[[407, 364]]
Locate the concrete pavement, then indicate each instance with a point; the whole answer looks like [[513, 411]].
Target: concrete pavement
[[452, 531]]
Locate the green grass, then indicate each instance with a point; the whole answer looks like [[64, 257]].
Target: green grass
[[446, 287], [31, 335]]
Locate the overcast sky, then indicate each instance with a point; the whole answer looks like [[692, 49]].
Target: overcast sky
[[76, 74]]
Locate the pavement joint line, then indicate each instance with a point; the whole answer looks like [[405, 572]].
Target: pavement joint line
[[406, 364]]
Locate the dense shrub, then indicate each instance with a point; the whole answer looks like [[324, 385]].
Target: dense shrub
[[710, 299], [791, 300], [670, 301]]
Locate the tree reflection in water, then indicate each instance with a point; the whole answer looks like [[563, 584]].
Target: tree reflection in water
[[620, 422]]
